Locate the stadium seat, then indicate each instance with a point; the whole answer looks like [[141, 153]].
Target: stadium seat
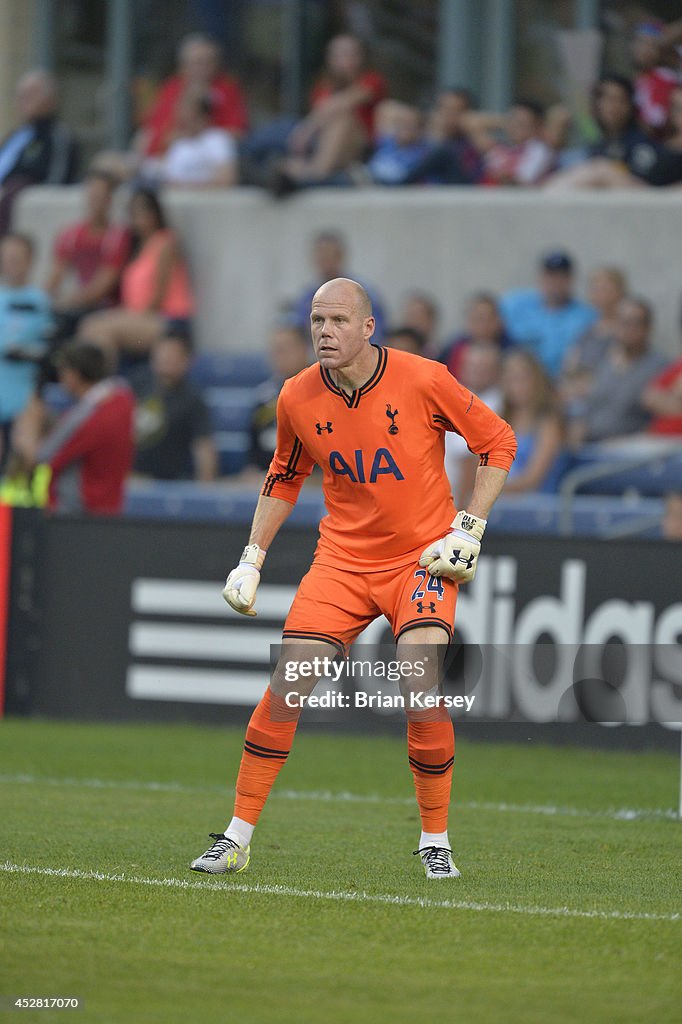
[[225, 369], [523, 514]]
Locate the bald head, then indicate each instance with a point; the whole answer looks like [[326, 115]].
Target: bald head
[[346, 291], [342, 325]]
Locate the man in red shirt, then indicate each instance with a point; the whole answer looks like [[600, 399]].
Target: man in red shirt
[[663, 398], [199, 60], [655, 81], [340, 125], [89, 254], [90, 451]]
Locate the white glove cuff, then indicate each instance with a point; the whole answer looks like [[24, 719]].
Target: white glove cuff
[[465, 536], [469, 525], [254, 556]]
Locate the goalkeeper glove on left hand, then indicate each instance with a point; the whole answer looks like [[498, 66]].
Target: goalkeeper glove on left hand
[[455, 555], [242, 583]]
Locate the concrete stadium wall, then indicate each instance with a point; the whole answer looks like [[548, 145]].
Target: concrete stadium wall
[[249, 253]]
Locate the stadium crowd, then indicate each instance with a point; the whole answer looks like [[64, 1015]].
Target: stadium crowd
[[113, 322]]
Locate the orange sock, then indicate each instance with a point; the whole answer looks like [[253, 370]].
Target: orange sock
[[269, 736], [431, 753]]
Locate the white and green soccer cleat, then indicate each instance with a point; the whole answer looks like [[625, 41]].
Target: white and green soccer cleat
[[438, 862], [223, 856]]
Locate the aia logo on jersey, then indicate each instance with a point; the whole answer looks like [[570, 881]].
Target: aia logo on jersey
[[320, 427], [360, 472], [391, 415]]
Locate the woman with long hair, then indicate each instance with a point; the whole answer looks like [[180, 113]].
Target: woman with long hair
[[155, 286], [530, 408]]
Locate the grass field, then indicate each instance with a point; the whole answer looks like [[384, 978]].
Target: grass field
[[565, 912]]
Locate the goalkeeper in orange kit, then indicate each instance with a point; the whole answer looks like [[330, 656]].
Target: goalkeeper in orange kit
[[374, 420]]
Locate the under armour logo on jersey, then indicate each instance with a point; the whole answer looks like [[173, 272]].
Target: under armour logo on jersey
[[421, 605], [391, 415], [328, 427]]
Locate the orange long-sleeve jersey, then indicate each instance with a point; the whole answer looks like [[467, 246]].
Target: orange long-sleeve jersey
[[381, 450]]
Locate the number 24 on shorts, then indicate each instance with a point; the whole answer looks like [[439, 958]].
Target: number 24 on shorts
[[434, 585]]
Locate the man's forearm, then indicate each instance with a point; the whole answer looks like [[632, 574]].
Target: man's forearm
[[269, 516], [487, 487]]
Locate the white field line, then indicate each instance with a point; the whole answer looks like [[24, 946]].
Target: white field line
[[212, 885], [326, 796]]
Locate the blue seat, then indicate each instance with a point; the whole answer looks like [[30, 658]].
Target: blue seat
[[230, 407], [227, 369]]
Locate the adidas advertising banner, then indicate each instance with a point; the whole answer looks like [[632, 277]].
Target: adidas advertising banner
[[124, 620]]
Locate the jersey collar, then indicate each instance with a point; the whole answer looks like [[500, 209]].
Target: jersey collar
[[352, 400]]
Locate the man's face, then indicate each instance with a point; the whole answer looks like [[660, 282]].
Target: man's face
[[483, 321], [418, 314], [15, 262], [170, 361], [632, 328], [328, 257], [521, 126], [33, 98], [556, 286], [200, 63], [289, 353], [407, 125], [339, 330], [448, 114], [645, 51], [344, 59], [98, 198], [613, 107], [481, 366]]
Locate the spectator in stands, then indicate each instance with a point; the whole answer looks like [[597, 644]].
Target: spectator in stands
[[173, 429], [484, 326], [406, 339], [90, 450], [624, 154], [615, 404], [548, 319], [672, 517], [521, 156], [340, 126], [289, 353], [201, 154], [530, 407], [199, 61], [607, 289], [655, 79], [400, 144], [420, 311], [663, 400], [329, 254], [155, 286], [480, 371], [24, 323], [41, 150], [88, 257], [451, 157]]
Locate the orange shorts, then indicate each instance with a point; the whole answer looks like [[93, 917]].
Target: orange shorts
[[334, 605]]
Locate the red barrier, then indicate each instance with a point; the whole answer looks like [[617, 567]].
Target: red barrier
[[5, 559]]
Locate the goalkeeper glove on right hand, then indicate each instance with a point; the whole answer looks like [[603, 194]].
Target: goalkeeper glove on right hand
[[242, 583], [455, 556]]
